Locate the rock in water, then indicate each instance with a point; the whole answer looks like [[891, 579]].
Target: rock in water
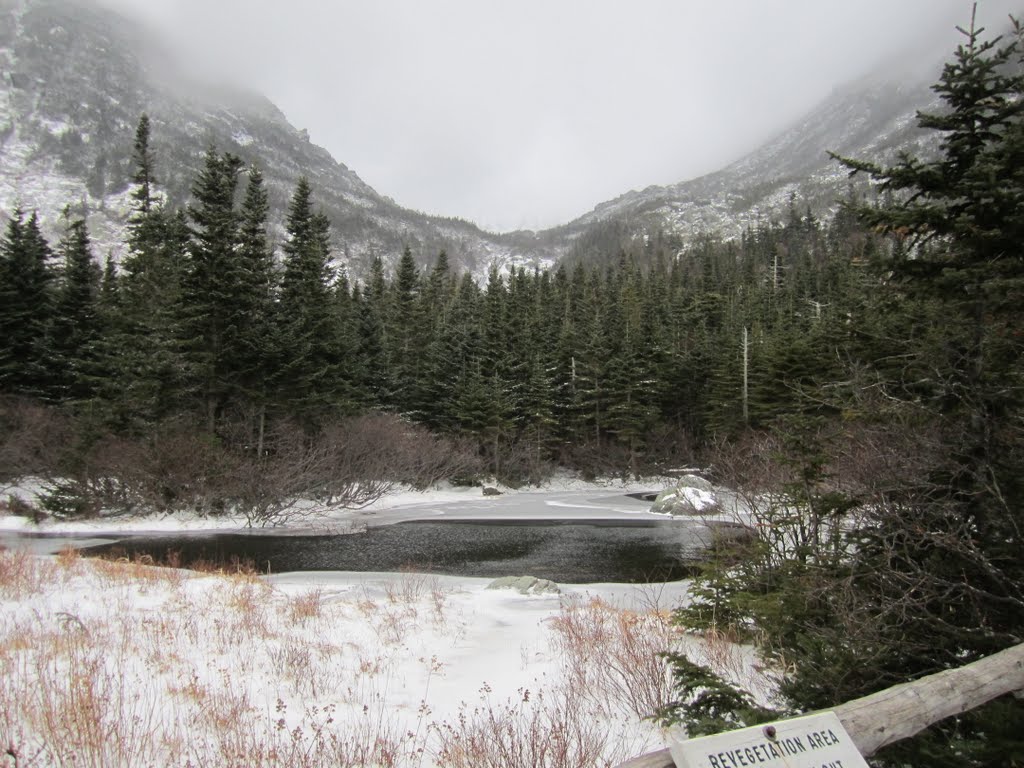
[[692, 495]]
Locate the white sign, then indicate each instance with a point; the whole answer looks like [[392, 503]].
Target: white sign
[[815, 741]]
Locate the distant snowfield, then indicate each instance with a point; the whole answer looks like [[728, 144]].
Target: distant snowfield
[[426, 670]]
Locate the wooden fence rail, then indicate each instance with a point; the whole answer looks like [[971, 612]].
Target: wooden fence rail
[[899, 712]]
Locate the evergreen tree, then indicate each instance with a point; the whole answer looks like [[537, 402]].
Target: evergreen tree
[[255, 349], [76, 326], [591, 364], [455, 354], [631, 367], [404, 334], [26, 301], [308, 377], [928, 573], [214, 288], [373, 337], [963, 212], [434, 370], [143, 177], [143, 349]]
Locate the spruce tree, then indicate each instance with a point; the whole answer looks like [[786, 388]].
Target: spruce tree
[[143, 177], [214, 285], [457, 353], [252, 356], [76, 327], [404, 333], [376, 381], [307, 378], [434, 371], [26, 301], [143, 348]]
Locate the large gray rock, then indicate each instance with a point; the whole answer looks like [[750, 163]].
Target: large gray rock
[[691, 495], [695, 481], [526, 585]]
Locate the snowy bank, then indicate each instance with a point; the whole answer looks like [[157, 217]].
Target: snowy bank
[[123, 664]]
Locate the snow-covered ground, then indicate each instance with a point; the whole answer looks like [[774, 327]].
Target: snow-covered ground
[[563, 499], [123, 664]]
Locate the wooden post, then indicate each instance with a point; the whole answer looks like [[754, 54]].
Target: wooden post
[[904, 710]]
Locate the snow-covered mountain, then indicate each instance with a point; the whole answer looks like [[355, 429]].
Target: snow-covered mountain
[[74, 79], [873, 118]]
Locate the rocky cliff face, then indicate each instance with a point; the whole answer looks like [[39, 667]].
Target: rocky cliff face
[[75, 78]]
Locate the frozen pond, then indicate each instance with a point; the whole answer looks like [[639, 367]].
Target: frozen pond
[[576, 537]]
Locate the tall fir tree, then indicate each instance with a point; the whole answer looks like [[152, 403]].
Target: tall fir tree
[[76, 327], [26, 302], [308, 377], [255, 350], [963, 213], [403, 332], [214, 286], [143, 347]]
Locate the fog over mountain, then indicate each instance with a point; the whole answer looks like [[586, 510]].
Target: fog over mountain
[[528, 114], [397, 117]]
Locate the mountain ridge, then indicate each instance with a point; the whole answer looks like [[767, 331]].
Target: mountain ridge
[[69, 103]]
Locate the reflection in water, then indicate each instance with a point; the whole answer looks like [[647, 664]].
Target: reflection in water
[[564, 551]]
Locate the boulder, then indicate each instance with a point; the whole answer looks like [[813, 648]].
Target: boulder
[[489, 491], [691, 495], [526, 585], [695, 481]]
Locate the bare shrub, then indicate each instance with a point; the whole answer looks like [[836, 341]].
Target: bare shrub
[[16, 505], [670, 447], [307, 606], [420, 458], [175, 468], [523, 462], [332, 469], [32, 438], [347, 464], [75, 699]]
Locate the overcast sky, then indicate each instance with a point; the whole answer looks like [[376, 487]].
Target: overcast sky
[[528, 113]]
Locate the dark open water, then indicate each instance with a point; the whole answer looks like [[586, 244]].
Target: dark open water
[[575, 552]]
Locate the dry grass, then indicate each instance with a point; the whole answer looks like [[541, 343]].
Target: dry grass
[[119, 663], [614, 655], [306, 607], [535, 731], [22, 575]]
